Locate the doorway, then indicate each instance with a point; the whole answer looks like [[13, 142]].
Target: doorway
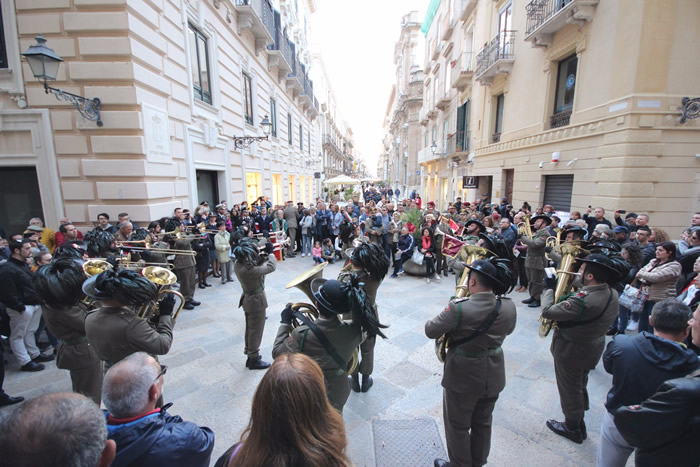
[[292, 188], [277, 194], [253, 182], [508, 177], [20, 199], [208, 186]]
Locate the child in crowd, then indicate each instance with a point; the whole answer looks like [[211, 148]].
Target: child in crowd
[[328, 252], [317, 253]]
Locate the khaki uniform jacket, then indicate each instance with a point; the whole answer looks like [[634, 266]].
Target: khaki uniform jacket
[[68, 324], [477, 365], [116, 332], [345, 337], [252, 279], [535, 249], [183, 261], [290, 215], [581, 346]]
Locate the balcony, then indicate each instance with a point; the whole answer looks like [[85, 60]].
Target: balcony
[[560, 119], [462, 72], [457, 142], [496, 58], [328, 143], [443, 99], [280, 52], [426, 155], [546, 17], [496, 137], [465, 7], [447, 25], [294, 84], [435, 47], [258, 17]]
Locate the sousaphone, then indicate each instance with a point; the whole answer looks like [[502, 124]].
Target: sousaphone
[[303, 283]]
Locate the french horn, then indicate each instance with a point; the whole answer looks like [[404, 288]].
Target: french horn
[[163, 279], [303, 283]]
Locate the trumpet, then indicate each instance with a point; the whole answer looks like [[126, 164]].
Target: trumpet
[[303, 283]]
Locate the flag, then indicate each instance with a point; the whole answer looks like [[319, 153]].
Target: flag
[[456, 228], [451, 246]]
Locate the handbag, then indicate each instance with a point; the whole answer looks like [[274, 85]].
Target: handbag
[[633, 298], [417, 257]]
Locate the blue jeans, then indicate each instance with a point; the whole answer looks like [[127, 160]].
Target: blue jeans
[[398, 263], [306, 243], [644, 317]]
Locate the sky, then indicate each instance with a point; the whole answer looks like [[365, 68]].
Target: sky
[[356, 39]]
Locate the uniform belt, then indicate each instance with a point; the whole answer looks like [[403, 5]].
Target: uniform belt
[[75, 340], [563, 335], [484, 353]]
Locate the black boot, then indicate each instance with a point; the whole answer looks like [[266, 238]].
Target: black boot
[[355, 382], [528, 301], [582, 427], [256, 364], [367, 383], [534, 304], [564, 429], [441, 463]]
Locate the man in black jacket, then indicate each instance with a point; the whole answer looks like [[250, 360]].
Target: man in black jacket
[[639, 364], [18, 296], [598, 218], [145, 435]]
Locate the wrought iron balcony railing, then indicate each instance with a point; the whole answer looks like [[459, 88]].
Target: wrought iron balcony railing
[[501, 48], [281, 45], [546, 17], [457, 142], [560, 119], [258, 16]]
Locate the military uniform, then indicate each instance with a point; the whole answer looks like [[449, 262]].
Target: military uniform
[[254, 302], [370, 286], [578, 342], [291, 216], [535, 262], [345, 337], [474, 373], [74, 352], [184, 269], [116, 332]]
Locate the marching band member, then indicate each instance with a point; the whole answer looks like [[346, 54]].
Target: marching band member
[[183, 265], [331, 342], [251, 269], [59, 287]]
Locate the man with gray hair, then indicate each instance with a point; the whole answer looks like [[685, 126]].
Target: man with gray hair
[[144, 434], [65, 429], [639, 365], [124, 233]]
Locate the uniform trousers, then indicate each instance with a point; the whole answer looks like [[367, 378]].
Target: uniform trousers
[[185, 277], [467, 418], [88, 381], [337, 388], [613, 450], [23, 325], [292, 240], [573, 395], [535, 286], [254, 327]]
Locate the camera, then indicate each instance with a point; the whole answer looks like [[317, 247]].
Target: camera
[[622, 211]]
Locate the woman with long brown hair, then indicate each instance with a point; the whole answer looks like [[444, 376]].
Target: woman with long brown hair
[[291, 421], [659, 276]]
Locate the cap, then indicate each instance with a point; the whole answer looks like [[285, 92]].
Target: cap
[[621, 229], [600, 260], [485, 268], [90, 288], [431, 203], [330, 295], [35, 228], [631, 215], [477, 222]]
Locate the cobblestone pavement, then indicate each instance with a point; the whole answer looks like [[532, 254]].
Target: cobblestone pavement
[[208, 383]]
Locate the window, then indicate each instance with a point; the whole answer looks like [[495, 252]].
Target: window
[[289, 129], [199, 56], [273, 117], [462, 141], [301, 137], [505, 31], [498, 125], [564, 98], [248, 98], [308, 138], [445, 130]]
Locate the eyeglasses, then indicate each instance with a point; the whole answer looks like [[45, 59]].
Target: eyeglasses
[[163, 370]]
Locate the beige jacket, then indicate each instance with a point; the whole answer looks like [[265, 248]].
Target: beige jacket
[[660, 279]]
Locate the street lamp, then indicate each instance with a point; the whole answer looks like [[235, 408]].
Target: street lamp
[[44, 64], [241, 142], [433, 147]]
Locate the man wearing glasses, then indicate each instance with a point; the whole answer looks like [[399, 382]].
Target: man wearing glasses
[[144, 434]]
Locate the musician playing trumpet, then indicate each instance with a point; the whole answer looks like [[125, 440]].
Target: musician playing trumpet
[[474, 371], [251, 269]]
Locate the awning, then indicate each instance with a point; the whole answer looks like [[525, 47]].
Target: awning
[[429, 16], [341, 180]]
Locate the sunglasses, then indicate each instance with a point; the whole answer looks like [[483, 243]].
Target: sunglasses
[[163, 370]]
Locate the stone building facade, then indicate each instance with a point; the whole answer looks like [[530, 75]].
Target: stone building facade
[[399, 162], [178, 80], [566, 102]]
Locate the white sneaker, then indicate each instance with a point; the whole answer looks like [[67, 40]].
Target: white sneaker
[[427, 280], [632, 326], [437, 277]]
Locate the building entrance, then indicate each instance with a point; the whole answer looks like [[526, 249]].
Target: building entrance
[[20, 199]]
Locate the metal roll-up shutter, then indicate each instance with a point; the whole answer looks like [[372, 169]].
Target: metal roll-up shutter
[[557, 191]]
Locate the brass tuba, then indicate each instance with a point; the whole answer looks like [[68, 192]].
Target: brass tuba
[[164, 279], [469, 254], [524, 228], [303, 283], [565, 278], [91, 268]]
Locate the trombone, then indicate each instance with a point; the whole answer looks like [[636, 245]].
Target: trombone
[[164, 251]]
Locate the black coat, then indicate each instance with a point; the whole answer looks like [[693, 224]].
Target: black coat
[[203, 246], [639, 364], [17, 285], [162, 440], [666, 427]]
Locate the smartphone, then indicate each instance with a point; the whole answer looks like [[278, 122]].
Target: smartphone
[[550, 272], [590, 207], [622, 211]]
